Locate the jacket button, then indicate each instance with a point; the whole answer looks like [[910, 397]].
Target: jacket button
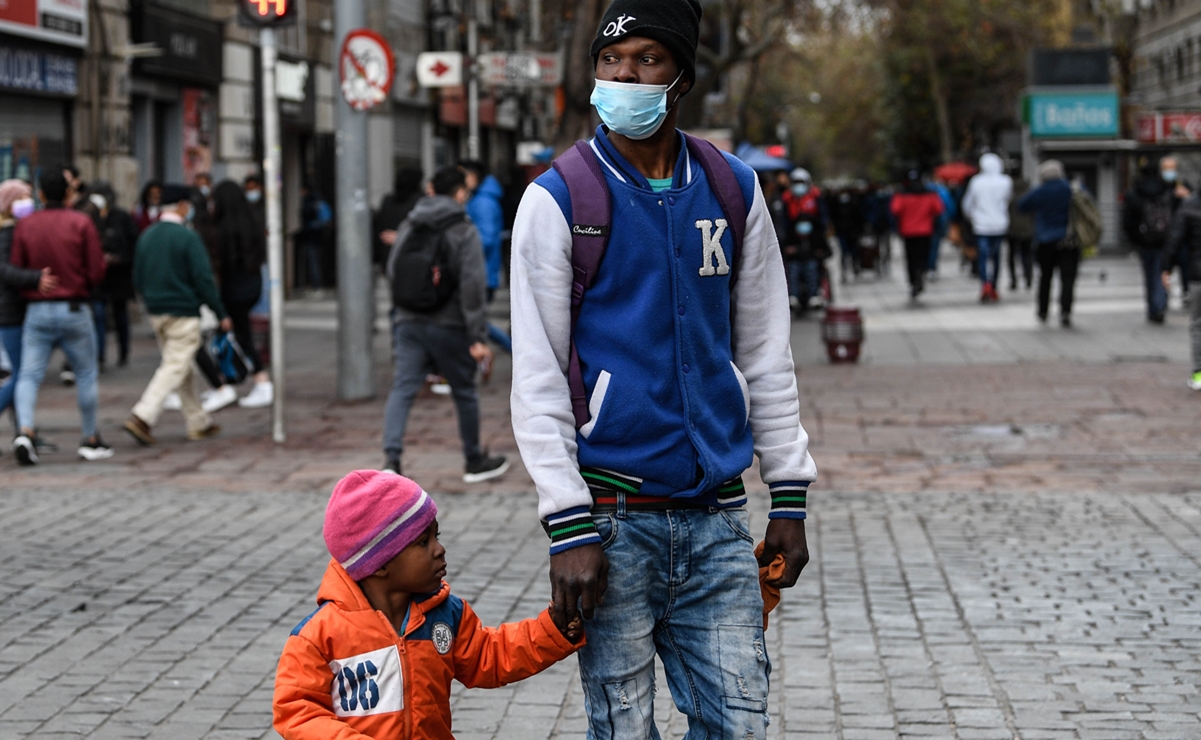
[[660, 202], [677, 251], [681, 310], [671, 201], [685, 367]]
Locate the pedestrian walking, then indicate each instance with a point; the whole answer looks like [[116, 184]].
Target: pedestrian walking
[[13, 280], [171, 272], [942, 226], [1051, 204], [486, 209], [66, 242], [1146, 219], [345, 672], [406, 191], [149, 205], [436, 270], [252, 187], [1021, 239], [242, 250], [639, 406], [118, 237], [804, 246], [1185, 238], [846, 215], [986, 204], [916, 210]]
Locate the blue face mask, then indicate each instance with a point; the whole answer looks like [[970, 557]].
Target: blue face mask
[[254, 196], [1169, 175], [634, 111]]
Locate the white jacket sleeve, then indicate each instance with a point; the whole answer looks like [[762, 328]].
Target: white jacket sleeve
[[540, 293], [762, 325]]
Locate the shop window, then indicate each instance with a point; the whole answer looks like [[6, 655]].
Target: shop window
[[33, 134]]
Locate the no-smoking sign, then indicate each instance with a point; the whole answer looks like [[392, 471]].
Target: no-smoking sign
[[366, 67]]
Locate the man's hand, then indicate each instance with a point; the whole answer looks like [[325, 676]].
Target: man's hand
[[785, 536], [581, 575], [388, 236], [47, 282], [480, 352], [227, 324]]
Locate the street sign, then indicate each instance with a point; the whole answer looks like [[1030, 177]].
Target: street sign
[[1169, 128], [367, 66], [1092, 114], [520, 69], [440, 69]]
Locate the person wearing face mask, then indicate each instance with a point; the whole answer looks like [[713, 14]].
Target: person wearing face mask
[[803, 242], [252, 186], [16, 201], [1146, 218], [682, 344], [171, 272]]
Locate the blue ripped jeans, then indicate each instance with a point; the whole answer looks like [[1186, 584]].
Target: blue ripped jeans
[[683, 584]]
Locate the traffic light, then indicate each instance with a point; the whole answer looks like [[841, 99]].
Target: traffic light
[[268, 12]]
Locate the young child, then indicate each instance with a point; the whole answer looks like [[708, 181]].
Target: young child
[[377, 657]]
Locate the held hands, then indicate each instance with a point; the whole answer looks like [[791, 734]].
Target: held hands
[[785, 536], [47, 283], [579, 578]]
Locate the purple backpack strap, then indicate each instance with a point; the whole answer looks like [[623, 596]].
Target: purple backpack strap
[[725, 188], [591, 218]]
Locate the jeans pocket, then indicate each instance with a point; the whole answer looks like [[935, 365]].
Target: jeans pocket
[[744, 667], [740, 523], [606, 527]]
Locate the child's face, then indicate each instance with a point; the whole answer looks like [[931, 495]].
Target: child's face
[[420, 567]]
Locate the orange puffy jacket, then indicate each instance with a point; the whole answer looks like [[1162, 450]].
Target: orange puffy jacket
[[346, 674]]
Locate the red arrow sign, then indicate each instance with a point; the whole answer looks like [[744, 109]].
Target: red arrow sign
[[439, 69]]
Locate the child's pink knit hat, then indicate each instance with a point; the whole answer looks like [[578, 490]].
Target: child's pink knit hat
[[372, 516]]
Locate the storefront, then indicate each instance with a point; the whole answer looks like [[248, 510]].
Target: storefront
[[174, 95], [40, 46]]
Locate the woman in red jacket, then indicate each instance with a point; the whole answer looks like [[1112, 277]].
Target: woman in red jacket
[[916, 210]]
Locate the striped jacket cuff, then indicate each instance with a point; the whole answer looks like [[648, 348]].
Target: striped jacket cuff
[[788, 500], [571, 528]]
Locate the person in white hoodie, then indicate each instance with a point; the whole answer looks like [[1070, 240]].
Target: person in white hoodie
[[986, 205]]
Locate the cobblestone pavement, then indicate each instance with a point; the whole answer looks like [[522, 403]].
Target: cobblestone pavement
[[1004, 540]]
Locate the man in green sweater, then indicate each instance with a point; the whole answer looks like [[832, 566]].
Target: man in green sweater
[[171, 272]]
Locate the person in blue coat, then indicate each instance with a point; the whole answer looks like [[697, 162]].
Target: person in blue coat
[[486, 211], [1051, 204]]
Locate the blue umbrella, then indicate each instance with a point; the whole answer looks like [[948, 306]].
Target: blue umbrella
[[759, 160]]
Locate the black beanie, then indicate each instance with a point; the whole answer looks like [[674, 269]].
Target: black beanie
[[673, 23]]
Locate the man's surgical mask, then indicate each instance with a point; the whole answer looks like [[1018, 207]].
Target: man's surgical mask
[[205, 190], [800, 189], [23, 208], [254, 196], [634, 111], [1169, 175]]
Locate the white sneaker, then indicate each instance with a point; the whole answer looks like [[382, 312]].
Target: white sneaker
[[172, 402], [219, 399], [262, 395], [440, 389]]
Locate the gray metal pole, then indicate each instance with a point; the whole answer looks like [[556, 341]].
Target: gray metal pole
[[355, 289], [473, 86], [275, 230]]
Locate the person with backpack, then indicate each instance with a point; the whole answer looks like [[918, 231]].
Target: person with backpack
[[1051, 204], [1146, 219], [1185, 238], [436, 270], [650, 363]]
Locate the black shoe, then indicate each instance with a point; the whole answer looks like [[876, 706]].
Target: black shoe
[[24, 451], [67, 376], [1155, 318], [43, 445], [94, 449], [1065, 321], [392, 465], [483, 467]]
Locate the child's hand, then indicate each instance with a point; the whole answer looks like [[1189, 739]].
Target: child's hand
[[575, 630]]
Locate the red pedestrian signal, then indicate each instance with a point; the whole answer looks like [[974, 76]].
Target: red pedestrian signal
[[268, 12]]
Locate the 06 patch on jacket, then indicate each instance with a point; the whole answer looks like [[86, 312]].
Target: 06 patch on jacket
[[346, 673]]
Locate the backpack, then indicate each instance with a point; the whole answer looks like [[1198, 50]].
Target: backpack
[[1156, 219], [591, 217], [1084, 222], [423, 279]]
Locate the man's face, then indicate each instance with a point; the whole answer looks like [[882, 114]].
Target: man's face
[[641, 61], [462, 195], [204, 181], [153, 196], [1166, 165], [473, 180], [420, 567]]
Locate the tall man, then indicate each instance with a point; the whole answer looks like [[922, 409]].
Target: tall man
[[682, 345], [171, 272], [66, 242]]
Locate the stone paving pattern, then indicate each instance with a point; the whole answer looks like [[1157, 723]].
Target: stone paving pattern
[[1000, 548]]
